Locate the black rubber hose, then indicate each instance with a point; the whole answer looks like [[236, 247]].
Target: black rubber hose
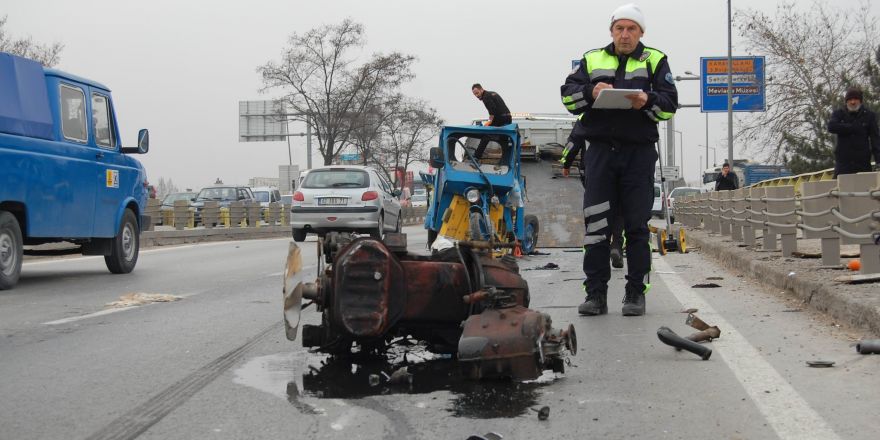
[[670, 338], [868, 346]]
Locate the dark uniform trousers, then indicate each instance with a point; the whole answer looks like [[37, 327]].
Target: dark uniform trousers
[[498, 121], [619, 179]]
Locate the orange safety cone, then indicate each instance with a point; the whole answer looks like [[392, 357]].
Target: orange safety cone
[[517, 250]]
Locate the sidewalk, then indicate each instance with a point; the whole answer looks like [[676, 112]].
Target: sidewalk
[[855, 304]]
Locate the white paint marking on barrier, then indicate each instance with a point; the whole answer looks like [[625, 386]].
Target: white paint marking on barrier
[[90, 315], [783, 408]]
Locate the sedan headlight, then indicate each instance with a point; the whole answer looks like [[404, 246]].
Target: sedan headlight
[[472, 195]]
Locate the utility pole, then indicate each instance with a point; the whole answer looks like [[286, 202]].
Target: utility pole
[[729, 87]]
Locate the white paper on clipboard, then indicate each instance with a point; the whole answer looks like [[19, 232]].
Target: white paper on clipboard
[[614, 98]]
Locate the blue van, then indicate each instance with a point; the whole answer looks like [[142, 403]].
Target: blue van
[[64, 175]]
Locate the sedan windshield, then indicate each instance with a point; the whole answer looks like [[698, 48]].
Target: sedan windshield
[[217, 194], [336, 179]]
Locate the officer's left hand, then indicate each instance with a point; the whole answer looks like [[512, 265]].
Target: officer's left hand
[[638, 99]]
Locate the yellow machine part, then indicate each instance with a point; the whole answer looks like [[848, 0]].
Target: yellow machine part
[[456, 220]]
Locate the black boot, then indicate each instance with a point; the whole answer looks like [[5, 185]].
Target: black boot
[[633, 302], [595, 304], [616, 258]]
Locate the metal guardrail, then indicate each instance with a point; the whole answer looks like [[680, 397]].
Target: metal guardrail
[[239, 214], [842, 211], [798, 180]]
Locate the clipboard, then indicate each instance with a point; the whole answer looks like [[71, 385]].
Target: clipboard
[[614, 99]]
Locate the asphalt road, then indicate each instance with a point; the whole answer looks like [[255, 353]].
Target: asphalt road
[[215, 364]]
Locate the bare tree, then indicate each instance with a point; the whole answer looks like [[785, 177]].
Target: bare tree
[[813, 55], [408, 132], [325, 88], [47, 55]]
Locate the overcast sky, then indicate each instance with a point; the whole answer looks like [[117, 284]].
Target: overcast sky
[[179, 68]]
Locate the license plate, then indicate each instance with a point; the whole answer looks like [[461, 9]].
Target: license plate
[[333, 201]]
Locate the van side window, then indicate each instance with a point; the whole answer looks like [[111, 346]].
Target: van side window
[[101, 122], [73, 114]]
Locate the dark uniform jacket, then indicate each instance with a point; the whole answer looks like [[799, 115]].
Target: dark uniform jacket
[[857, 139], [726, 183], [497, 108], [623, 126]]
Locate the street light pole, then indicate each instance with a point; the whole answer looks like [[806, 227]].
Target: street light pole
[[681, 149], [729, 87]]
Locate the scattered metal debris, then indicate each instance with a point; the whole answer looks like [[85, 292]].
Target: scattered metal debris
[[139, 299], [705, 286], [548, 266], [690, 310], [714, 278], [401, 376], [706, 332], [488, 436], [543, 412], [536, 252], [374, 380], [669, 337], [858, 279], [820, 364], [868, 346]]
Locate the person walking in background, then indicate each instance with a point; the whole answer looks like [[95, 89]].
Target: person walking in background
[[726, 180], [857, 135]]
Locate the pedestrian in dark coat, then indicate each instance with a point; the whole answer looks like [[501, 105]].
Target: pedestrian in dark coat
[[857, 136]]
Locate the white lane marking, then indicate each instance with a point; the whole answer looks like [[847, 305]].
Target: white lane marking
[[109, 311], [783, 408], [90, 315], [74, 257]]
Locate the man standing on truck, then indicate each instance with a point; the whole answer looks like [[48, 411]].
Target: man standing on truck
[[857, 136], [499, 114], [726, 180], [619, 164]]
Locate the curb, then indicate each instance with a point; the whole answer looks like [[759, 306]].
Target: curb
[[168, 238], [853, 306]]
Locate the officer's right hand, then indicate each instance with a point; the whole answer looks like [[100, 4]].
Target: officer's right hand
[[599, 87], [566, 172]]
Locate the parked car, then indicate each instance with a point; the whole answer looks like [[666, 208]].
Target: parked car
[[222, 194], [287, 199], [659, 201], [680, 192], [345, 199], [168, 202], [266, 195], [418, 200]]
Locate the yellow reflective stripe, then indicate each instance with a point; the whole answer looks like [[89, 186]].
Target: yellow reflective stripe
[[664, 116]]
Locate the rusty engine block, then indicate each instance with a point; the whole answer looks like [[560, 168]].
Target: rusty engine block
[[461, 301]]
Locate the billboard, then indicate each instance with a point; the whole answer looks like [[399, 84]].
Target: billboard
[[261, 121]]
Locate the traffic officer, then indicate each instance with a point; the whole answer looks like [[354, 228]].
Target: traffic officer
[[619, 163]]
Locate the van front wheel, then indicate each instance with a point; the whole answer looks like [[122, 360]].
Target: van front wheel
[[124, 249], [11, 250]]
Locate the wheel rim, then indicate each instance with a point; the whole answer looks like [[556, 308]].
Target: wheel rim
[[7, 254], [128, 241]]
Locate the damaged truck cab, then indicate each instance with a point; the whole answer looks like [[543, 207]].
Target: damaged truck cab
[[64, 175]]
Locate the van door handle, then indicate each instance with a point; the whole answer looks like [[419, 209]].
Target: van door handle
[[99, 155]]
